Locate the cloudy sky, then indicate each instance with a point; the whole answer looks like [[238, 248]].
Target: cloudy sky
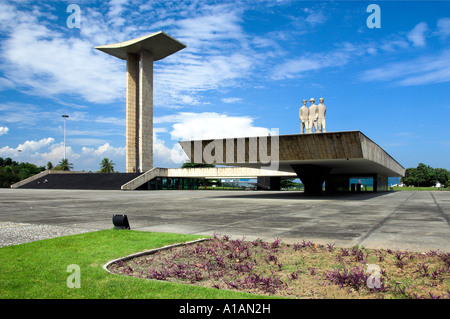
[[247, 66]]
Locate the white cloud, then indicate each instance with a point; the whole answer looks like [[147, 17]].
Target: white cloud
[[209, 29], [32, 146], [115, 11], [105, 150], [210, 125], [60, 61], [77, 70], [418, 34], [196, 126], [296, 67], [392, 45], [54, 154], [314, 17], [3, 130], [231, 100], [87, 159], [180, 83], [443, 26], [48, 62], [111, 120], [162, 154], [426, 70], [28, 148], [46, 150]]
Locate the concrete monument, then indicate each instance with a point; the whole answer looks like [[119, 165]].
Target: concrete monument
[[303, 113], [140, 53], [313, 116], [321, 119]]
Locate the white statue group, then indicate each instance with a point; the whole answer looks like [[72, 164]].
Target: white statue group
[[312, 117]]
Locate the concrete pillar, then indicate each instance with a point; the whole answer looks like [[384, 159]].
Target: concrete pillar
[[132, 114], [269, 183], [338, 183], [146, 110], [380, 183], [312, 177]]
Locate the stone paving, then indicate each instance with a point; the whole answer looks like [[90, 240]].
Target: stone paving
[[413, 220]]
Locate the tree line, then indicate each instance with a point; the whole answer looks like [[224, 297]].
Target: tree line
[[12, 172], [426, 176]]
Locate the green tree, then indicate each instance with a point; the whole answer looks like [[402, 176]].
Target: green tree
[[195, 165], [49, 165], [442, 175], [12, 172], [64, 165], [288, 183], [201, 182], [107, 166], [424, 175]]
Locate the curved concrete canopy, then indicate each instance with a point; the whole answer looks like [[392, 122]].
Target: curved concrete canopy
[[159, 44]]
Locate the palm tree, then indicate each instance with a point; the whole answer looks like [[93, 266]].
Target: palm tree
[[107, 166], [65, 165]]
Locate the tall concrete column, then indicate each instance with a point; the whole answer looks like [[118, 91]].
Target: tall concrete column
[[132, 114], [312, 177], [146, 111], [139, 102]]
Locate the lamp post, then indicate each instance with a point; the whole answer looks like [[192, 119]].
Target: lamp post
[[19, 154], [65, 117]]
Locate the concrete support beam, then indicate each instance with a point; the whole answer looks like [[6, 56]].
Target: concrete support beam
[[312, 177], [146, 111], [132, 113], [380, 183], [269, 183]]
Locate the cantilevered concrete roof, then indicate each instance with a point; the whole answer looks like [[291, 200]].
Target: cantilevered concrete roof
[[159, 44], [348, 152]]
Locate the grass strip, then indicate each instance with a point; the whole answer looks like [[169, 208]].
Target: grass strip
[[39, 270]]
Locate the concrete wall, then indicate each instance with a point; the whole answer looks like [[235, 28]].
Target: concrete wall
[[55, 179], [375, 153]]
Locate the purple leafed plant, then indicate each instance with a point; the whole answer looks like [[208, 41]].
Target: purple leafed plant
[[422, 269], [276, 243], [344, 252], [436, 274], [258, 266], [157, 275], [400, 259], [354, 278], [400, 289]]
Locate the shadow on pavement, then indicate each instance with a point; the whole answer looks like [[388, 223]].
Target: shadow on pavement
[[294, 195]]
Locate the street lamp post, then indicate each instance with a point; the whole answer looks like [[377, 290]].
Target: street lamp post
[[65, 117], [19, 154]]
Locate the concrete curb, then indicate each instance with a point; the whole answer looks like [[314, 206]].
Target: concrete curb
[[149, 252]]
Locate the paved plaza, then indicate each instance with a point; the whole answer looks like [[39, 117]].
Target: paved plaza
[[413, 220]]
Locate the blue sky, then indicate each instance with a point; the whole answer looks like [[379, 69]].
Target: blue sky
[[246, 68]]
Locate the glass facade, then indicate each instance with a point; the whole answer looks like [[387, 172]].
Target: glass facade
[[355, 183], [173, 183], [361, 184]]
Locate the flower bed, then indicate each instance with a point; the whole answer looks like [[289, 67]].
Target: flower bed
[[300, 270]]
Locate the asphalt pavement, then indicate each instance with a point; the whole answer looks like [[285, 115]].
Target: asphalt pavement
[[413, 220]]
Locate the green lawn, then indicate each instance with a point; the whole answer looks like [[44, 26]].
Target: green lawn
[[38, 270], [420, 189]]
